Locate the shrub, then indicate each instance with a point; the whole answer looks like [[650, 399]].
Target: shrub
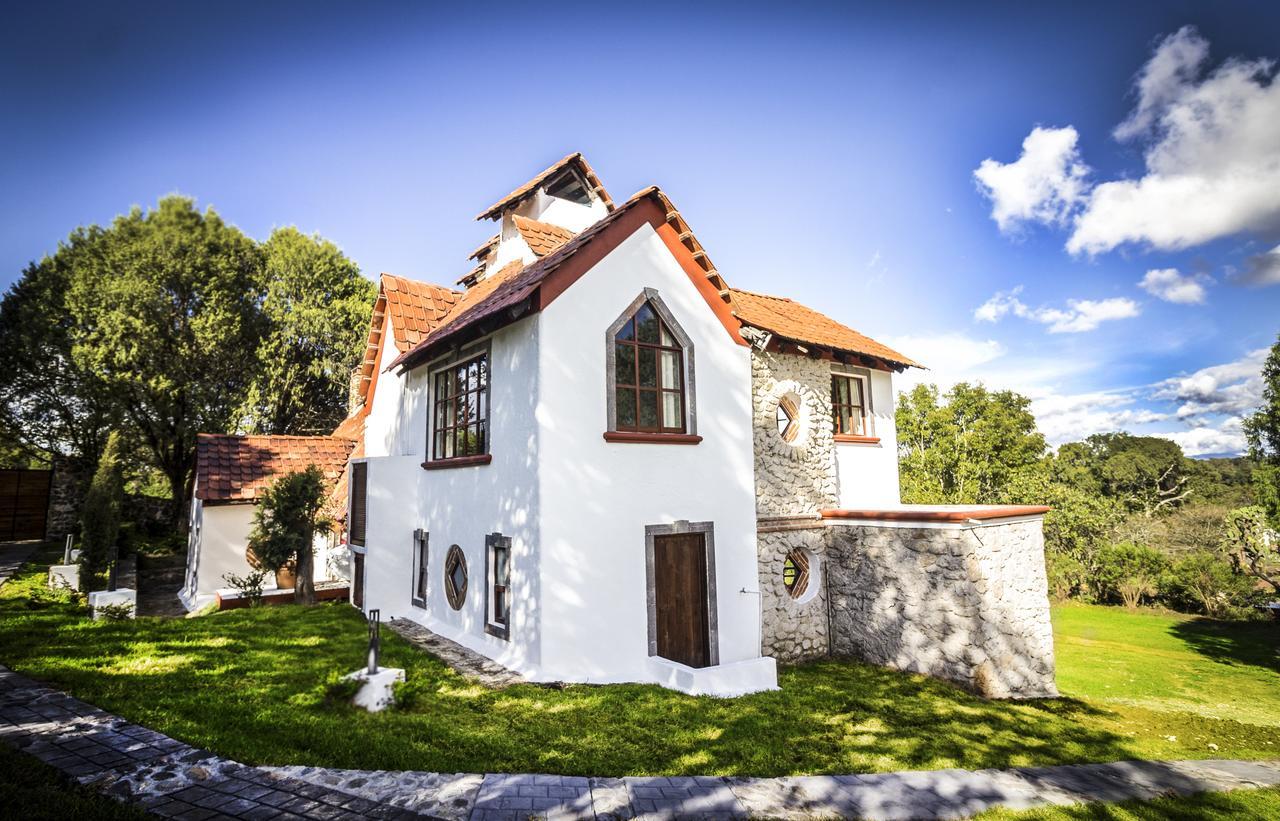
[[1067, 576], [115, 612], [1129, 572], [100, 516], [248, 585], [1206, 582]]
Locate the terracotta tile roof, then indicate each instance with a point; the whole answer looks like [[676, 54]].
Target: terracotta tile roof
[[542, 237], [793, 321], [352, 428], [484, 250], [509, 287], [238, 468], [415, 308], [494, 211]]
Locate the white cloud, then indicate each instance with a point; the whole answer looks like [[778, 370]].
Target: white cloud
[[1043, 185], [1212, 157], [1262, 269], [1226, 438], [1079, 316], [1232, 388], [1172, 286], [1072, 417]]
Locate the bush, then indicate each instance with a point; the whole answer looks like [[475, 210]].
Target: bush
[[1129, 572], [1067, 576], [100, 516], [1205, 582], [248, 585]]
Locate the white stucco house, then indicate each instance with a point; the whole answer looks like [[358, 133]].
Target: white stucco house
[[595, 461], [231, 472]]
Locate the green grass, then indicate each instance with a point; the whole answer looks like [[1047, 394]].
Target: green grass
[[257, 685], [34, 791], [1218, 806]]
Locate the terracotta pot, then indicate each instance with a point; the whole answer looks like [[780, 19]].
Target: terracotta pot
[[285, 578]]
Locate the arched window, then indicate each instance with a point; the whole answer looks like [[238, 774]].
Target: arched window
[[651, 371]]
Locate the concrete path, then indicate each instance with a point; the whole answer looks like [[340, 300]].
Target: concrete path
[[174, 780], [12, 556]]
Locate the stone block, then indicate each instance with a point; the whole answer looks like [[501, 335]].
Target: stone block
[[104, 598], [64, 576], [377, 692]]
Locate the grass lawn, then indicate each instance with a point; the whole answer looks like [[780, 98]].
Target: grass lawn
[[256, 685], [1217, 806]]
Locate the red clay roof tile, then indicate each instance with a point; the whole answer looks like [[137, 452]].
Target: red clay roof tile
[[542, 237], [526, 190], [238, 468]]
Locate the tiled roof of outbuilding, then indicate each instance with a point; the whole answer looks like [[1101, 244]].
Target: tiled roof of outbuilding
[[238, 468], [798, 323]]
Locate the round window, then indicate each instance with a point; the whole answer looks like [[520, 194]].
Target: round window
[[455, 577], [795, 573], [788, 417]]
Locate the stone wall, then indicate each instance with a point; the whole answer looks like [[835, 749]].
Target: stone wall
[[65, 489], [799, 476], [793, 629], [965, 604]]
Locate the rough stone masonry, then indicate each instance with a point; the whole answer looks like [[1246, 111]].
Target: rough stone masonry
[[959, 601]]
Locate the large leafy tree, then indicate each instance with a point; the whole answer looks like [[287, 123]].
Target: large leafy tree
[[1147, 474], [50, 402], [969, 446], [168, 317], [317, 311], [1262, 430]]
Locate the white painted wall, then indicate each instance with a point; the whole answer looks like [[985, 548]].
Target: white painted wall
[[461, 506], [868, 474], [597, 497]]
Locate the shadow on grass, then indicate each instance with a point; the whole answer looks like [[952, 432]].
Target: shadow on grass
[[1254, 643], [253, 685]]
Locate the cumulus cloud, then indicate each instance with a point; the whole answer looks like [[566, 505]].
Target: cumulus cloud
[[1212, 155], [1211, 161], [1224, 439], [1232, 388], [1071, 417], [1079, 316], [1262, 269], [1044, 184], [1172, 286]]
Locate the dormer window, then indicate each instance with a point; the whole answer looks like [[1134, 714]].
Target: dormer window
[[570, 186], [650, 370]]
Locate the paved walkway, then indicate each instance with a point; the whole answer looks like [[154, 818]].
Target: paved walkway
[[171, 779], [174, 780]]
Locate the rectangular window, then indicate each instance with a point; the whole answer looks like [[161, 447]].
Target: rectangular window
[[850, 410], [461, 412], [357, 519], [498, 589], [420, 541]]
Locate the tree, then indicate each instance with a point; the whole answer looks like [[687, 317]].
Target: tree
[[1202, 579], [100, 518], [1147, 474], [1262, 428], [167, 317], [1254, 548], [287, 518], [317, 308], [49, 403], [1130, 572], [970, 447]]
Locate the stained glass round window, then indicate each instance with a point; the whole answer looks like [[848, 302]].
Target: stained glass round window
[[795, 573]]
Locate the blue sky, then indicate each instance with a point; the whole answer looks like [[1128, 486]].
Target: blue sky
[[827, 153]]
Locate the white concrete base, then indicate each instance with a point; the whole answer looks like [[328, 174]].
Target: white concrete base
[[98, 598], [64, 577], [378, 691], [725, 680]]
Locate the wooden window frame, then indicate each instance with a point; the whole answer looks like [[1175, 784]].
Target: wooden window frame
[[686, 433], [421, 563], [456, 596], [492, 590], [359, 489], [483, 421], [867, 413]]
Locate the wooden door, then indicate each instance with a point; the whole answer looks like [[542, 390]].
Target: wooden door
[[357, 580], [680, 596]]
